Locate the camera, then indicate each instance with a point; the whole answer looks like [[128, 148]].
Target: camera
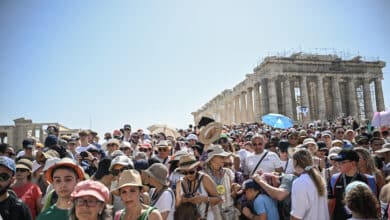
[[84, 154]]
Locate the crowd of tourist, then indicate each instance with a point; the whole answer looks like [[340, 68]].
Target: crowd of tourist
[[334, 170]]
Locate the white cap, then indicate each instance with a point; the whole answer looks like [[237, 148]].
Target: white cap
[[35, 166], [192, 137], [50, 162]]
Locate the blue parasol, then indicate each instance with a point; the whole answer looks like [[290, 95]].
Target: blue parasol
[[277, 121]]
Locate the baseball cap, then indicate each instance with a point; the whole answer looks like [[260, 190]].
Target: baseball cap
[[192, 137], [347, 155], [91, 188], [51, 140], [250, 184], [28, 143], [8, 163]]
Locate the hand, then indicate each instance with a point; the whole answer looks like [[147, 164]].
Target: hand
[[197, 199], [247, 212]]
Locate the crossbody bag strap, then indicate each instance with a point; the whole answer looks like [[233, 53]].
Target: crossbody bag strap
[[262, 158]]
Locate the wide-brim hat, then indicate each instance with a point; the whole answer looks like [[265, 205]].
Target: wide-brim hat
[[128, 178], [68, 163], [187, 162], [386, 148], [216, 150], [210, 133], [159, 172]]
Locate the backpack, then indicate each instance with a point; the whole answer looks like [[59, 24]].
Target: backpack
[[370, 181]]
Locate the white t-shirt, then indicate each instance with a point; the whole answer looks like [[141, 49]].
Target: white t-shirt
[[305, 201], [290, 167], [270, 162], [166, 202]]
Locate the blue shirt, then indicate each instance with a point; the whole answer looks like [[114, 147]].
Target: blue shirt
[[264, 204]]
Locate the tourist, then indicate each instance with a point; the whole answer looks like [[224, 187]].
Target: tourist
[[126, 133], [29, 192], [11, 207], [161, 195], [90, 201], [164, 148], [129, 190], [112, 145], [308, 194], [262, 206], [63, 175], [196, 188], [84, 141]]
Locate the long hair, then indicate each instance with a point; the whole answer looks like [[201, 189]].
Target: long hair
[[365, 154], [304, 160], [105, 215]]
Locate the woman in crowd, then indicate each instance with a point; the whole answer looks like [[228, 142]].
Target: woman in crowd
[[308, 195], [366, 165], [196, 188], [223, 180], [361, 201], [29, 192], [129, 190], [90, 201]]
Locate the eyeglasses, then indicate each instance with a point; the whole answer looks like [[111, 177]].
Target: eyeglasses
[[4, 177], [190, 172], [163, 149], [88, 203], [111, 145], [21, 170], [116, 172]]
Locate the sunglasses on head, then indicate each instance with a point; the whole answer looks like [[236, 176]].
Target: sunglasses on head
[[190, 172], [4, 177]]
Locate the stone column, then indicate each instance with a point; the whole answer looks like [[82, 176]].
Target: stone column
[[272, 96], [352, 100], [293, 99], [367, 99], [264, 97], [337, 109], [250, 104], [380, 103], [304, 95], [243, 107], [257, 101], [321, 98], [237, 116], [287, 98]]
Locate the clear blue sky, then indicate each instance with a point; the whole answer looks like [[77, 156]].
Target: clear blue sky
[[145, 62]]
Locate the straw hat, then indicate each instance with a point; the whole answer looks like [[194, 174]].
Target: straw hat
[[187, 162], [159, 172], [24, 164], [128, 178], [216, 150], [65, 162], [210, 133]]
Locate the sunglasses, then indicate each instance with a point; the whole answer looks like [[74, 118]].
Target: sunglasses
[[4, 177], [116, 172], [259, 144], [228, 164], [163, 149], [21, 170], [191, 172], [144, 149]]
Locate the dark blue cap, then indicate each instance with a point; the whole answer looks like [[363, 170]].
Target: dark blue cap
[[250, 184], [51, 140]]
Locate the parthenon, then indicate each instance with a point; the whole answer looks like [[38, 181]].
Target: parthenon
[[313, 87]]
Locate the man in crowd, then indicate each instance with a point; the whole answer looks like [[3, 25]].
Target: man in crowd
[[84, 141]]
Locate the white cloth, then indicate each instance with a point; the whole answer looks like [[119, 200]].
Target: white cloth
[[290, 167], [270, 162], [80, 149], [243, 154], [305, 201], [166, 202]]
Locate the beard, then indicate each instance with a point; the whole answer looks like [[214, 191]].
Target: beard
[[4, 189]]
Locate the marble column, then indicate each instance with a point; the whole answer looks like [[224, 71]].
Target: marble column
[[264, 97], [367, 99], [293, 99], [250, 104], [337, 109], [243, 107], [237, 116], [352, 99], [380, 103], [257, 101], [321, 98], [304, 95], [272, 96], [287, 98]]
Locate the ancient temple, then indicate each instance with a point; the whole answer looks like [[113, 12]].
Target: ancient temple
[[302, 86]]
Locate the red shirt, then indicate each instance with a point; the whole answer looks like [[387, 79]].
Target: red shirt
[[29, 193]]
